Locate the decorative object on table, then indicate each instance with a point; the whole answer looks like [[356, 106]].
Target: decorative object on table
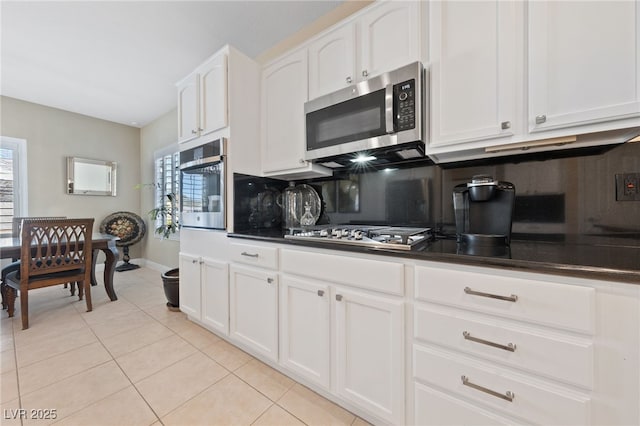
[[130, 228], [171, 285], [307, 205]]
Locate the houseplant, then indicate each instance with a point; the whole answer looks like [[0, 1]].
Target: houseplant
[[167, 224]]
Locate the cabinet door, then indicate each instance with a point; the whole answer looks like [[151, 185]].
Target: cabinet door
[[474, 70], [332, 61], [389, 37], [284, 92], [213, 95], [369, 333], [188, 108], [304, 328], [583, 62], [254, 309], [190, 296], [215, 295]]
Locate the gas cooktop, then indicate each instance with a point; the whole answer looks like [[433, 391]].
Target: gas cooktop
[[387, 237]]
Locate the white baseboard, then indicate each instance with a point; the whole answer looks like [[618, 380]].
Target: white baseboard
[[142, 262], [153, 265]]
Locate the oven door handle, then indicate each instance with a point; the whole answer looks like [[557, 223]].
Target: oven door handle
[[202, 161]]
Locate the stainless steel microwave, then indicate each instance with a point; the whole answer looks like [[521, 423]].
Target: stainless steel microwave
[[385, 113]]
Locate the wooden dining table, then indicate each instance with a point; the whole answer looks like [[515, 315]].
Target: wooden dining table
[[10, 249]]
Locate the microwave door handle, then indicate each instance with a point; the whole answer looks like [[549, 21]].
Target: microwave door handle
[[388, 108]]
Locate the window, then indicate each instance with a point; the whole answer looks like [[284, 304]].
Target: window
[[13, 181], [167, 186]]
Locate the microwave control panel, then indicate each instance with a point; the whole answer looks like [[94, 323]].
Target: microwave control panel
[[404, 105]]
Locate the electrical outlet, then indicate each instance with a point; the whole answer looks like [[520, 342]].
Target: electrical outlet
[[627, 187]]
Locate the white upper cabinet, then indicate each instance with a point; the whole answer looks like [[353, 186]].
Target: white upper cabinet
[[202, 99], [389, 37], [332, 62], [213, 94], [284, 92], [474, 70], [584, 62], [384, 37], [188, 107]]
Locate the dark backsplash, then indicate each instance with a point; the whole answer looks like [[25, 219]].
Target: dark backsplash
[[574, 195]]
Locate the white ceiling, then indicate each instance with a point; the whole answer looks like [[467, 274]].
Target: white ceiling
[[120, 60]]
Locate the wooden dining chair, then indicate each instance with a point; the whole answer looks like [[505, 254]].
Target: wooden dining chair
[[54, 251], [16, 226]]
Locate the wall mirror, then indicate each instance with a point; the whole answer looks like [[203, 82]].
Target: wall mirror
[[91, 177]]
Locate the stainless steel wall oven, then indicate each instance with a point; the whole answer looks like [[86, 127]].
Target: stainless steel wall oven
[[202, 186]]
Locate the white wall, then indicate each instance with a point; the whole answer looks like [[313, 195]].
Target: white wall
[[52, 135], [157, 135]]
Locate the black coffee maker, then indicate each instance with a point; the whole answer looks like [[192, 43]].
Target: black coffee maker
[[484, 210]]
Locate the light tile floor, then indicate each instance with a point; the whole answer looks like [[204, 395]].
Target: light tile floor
[[133, 362]]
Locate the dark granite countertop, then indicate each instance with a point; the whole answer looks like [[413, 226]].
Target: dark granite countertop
[[593, 257]]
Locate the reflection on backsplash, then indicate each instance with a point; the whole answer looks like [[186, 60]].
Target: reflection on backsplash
[[554, 198]]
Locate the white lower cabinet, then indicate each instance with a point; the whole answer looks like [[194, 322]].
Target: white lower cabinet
[[253, 309], [204, 291], [190, 286], [346, 331], [215, 295], [305, 341], [369, 335], [530, 348]]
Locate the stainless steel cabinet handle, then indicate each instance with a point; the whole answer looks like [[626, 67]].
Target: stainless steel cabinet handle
[[349, 80], [541, 119], [320, 293], [505, 125], [338, 297], [193, 132], [194, 261], [201, 262], [512, 298], [365, 73], [270, 280], [508, 396], [244, 253], [508, 347]]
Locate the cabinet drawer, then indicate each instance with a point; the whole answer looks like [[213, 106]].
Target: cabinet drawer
[[378, 275], [556, 356], [437, 409], [558, 305], [532, 401], [265, 257]]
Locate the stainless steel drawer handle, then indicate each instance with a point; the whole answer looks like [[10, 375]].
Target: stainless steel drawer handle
[[541, 119], [508, 396], [320, 293], [508, 347], [270, 280], [338, 297], [244, 253], [512, 298]]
